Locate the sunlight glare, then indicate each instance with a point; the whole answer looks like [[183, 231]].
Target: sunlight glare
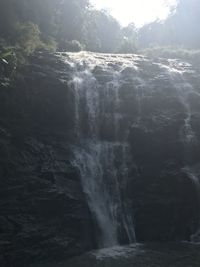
[[138, 11]]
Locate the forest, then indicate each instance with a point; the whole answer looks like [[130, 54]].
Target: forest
[[74, 25]]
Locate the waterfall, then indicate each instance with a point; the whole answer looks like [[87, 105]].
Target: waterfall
[[193, 173], [111, 95], [176, 70], [183, 88], [188, 134], [102, 153]]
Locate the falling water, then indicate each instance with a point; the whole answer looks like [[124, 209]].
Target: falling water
[[102, 163], [193, 173], [184, 89], [102, 123], [176, 70]]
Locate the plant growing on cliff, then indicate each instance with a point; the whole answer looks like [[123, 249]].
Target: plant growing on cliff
[[28, 37], [8, 62]]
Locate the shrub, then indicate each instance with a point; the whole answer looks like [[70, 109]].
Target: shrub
[[71, 46], [172, 52], [127, 47], [28, 37], [49, 44]]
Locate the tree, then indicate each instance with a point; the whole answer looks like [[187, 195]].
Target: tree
[[129, 36], [69, 19], [102, 31], [180, 29]]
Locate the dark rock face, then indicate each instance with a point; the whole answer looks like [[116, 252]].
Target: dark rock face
[[165, 206], [43, 210], [44, 214], [165, 201]]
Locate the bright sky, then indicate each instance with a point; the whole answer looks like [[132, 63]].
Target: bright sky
[[137, 11]]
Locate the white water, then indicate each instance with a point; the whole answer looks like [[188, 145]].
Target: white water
[[102, 154], [193, 173], [103, 164], [176, 70]]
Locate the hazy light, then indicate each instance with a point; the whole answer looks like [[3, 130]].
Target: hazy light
[[137, 11]]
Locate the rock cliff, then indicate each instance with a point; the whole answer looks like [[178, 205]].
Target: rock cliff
[[44, 211]]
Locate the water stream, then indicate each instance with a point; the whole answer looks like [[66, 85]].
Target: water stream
[[102, 161], [102, 151]]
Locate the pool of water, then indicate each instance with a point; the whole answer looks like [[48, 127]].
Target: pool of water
[[137, 255]]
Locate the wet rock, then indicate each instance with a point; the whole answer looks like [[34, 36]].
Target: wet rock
[[43, 209], [44, 212]]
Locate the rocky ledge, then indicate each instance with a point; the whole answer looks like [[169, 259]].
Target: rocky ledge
[[44, 214]]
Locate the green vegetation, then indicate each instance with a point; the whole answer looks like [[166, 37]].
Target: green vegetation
[[180, 30], [66, 25], [74, 25], [172, 52]]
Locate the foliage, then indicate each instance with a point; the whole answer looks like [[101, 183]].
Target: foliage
[[128, 42], [73, 25], [180, 29], [69, 19], [127, 47], [48, 43], [172, 52], [28, 37], [8, 61], [108, 31], [101, 31], [35, 23], [71, 46]]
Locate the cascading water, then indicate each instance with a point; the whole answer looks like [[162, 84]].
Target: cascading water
[[112, 95], [193, 173], [184, 89], [102, 157], [175, 71]]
